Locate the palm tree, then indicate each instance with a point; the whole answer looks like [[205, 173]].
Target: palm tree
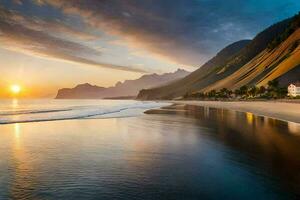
[[273, 88], [212, 93], [225, 93], [253, 91], [261, 90], [244, 90]]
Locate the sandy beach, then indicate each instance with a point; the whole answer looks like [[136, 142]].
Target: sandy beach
[[274, 109]]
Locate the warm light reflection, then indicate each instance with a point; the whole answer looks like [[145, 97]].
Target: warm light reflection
[[22, 168], [249, 117], [294, 128], [206, 112], [17, 131], [17, 134], [15, 103]]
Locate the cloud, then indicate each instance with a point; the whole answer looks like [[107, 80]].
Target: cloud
[[18, 2], [51, 26], [139, 27], [25, 35], [188, 32]]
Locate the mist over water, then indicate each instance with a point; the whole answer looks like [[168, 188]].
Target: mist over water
[[202, 153]]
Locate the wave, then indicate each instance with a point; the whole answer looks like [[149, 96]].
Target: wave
[[24, 112], [77, 112]]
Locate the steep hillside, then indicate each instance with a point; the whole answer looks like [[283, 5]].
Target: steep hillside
[[266, 66], [238, 69], [121, 89], [179, 87]]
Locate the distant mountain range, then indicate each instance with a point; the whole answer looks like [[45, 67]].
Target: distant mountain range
[[126, 89], [272, 54]]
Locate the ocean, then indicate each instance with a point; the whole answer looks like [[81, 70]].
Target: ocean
[[101, 149], [17, 111]]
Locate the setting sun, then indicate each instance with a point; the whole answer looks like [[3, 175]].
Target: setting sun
[[15, 89]]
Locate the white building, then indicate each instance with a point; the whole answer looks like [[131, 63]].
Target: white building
[[294, 89]]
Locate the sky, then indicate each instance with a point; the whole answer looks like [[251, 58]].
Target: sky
[[50, 44]]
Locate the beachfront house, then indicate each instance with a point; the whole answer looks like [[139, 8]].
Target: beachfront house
[[294, 89]]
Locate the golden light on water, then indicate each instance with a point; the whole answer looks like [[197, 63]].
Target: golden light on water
[[17, 130], [15, 89], [249, 117]]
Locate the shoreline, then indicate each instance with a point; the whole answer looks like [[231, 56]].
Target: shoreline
[[274, 109]]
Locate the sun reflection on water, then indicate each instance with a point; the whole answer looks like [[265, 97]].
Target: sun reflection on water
[[17, 130], [15, 103]]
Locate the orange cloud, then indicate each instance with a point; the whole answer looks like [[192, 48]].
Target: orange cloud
[[35, 41]]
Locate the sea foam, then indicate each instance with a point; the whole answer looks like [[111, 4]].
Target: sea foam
[[52, 110]]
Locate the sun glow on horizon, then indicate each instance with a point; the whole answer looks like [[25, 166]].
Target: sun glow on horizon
[[15, 89]]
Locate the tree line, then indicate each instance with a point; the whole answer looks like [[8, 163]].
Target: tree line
[[271, 91]]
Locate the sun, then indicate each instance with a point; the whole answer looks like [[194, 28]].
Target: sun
[[15, 89]]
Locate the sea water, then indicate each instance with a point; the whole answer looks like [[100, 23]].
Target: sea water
[[16, 111], [203, 153]]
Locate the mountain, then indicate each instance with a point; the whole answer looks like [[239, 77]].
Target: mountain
[[128, 88], [81, 91], [181, 86], [270, 55], [281, 63]]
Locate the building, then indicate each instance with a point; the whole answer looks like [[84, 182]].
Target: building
[[294, 89]]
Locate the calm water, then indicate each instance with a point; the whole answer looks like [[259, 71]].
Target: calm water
[[202, 154]]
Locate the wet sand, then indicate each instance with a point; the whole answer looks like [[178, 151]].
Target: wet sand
[[278, 110]]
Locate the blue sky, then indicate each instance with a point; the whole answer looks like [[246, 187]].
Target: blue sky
[[104, 41]]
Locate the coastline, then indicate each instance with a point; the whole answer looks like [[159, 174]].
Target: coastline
[[100, 155], [273, 109]]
